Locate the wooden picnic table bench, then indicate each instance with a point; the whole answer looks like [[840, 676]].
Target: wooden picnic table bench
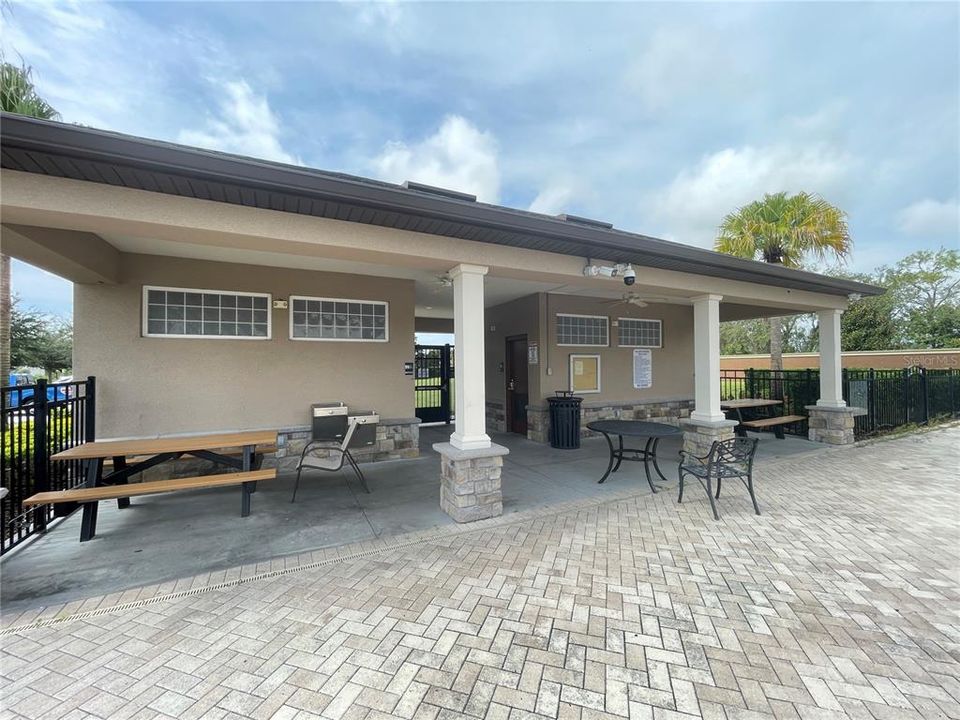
[[148, 452], [774, 422]]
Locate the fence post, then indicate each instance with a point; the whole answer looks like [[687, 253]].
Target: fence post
[[41, 476], [872, 400], [906, 396], [90, 410], [953, 397], [925, 388], [751, 384]]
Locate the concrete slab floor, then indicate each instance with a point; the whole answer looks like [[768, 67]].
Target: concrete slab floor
[[165, 537]]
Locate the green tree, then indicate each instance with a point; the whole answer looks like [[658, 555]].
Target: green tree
[[55, 352], [924, 287], [744, 337], [17, 95], [870, 322], [27, 328], [784, 229], [38, 340]]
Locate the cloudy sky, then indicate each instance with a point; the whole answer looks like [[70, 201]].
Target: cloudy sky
[[659, 118]]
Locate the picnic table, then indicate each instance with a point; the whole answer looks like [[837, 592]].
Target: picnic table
[[758, 421], [133, 456], [633, 428]]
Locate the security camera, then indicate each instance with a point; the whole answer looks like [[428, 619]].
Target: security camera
[[629, 276]]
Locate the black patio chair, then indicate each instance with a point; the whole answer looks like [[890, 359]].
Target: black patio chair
[[727, 459], [333, 459]]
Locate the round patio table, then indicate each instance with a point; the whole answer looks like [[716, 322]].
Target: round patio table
[[633, 428]]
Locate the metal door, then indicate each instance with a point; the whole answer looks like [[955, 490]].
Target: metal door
[[516, 377], [433, 380]]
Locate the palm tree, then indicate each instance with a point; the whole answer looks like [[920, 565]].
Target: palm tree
[[17, 95], [784, 229]]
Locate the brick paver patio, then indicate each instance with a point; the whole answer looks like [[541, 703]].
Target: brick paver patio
[[840, 601]]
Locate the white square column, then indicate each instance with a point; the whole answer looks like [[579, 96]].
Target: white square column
[[706, 358], [470, 431], [831, 362]]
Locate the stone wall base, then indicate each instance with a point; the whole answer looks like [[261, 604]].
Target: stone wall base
[[832, 425], [699, 435], [470, 482], [671, 412], [496, 416]]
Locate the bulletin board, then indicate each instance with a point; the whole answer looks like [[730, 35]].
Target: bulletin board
[[585, 373]]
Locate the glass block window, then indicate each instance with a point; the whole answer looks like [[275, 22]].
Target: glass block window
[[187, 313], [582, 330], [634, 332], [338, 319]]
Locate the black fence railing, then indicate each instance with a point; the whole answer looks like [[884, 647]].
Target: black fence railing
[[38, 421], [891, 398]]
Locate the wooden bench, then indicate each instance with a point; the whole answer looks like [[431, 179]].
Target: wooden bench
[[776, 423], [236, 453], [247, 481]]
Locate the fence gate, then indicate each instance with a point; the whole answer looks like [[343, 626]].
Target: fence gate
[[433, 376]]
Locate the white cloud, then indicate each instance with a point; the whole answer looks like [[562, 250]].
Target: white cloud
[[379, 13], [930, 217], [245, 125], [458, 157], [691, 207], [683, 61], [554, 199]]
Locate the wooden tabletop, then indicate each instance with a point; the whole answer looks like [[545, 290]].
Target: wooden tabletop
[[159, 445], [748, 403]]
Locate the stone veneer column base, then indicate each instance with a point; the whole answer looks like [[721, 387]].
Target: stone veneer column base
[[699, 435], [470, 482], [832, 425]]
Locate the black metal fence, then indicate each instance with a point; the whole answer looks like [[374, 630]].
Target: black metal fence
[[891, 398], [37, 422]]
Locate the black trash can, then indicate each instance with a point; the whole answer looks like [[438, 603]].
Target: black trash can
[[565, 420]]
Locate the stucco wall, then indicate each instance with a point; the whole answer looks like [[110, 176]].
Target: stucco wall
[[519, 317], [672, 364], [152, 386], [535, 316]]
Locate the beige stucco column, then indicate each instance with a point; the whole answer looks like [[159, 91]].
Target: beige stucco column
[[706, 364], [470, 431]]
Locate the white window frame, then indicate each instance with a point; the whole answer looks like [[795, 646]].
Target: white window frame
[[386, 319], [636, 319], [605, 318], [572, 359], [144, 329]]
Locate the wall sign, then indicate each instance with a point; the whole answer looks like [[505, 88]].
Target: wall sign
[[642, 369], [408, 369], [533, 353]]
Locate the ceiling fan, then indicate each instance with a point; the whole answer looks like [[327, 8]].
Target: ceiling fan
[[631, 298], [442, 282]]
